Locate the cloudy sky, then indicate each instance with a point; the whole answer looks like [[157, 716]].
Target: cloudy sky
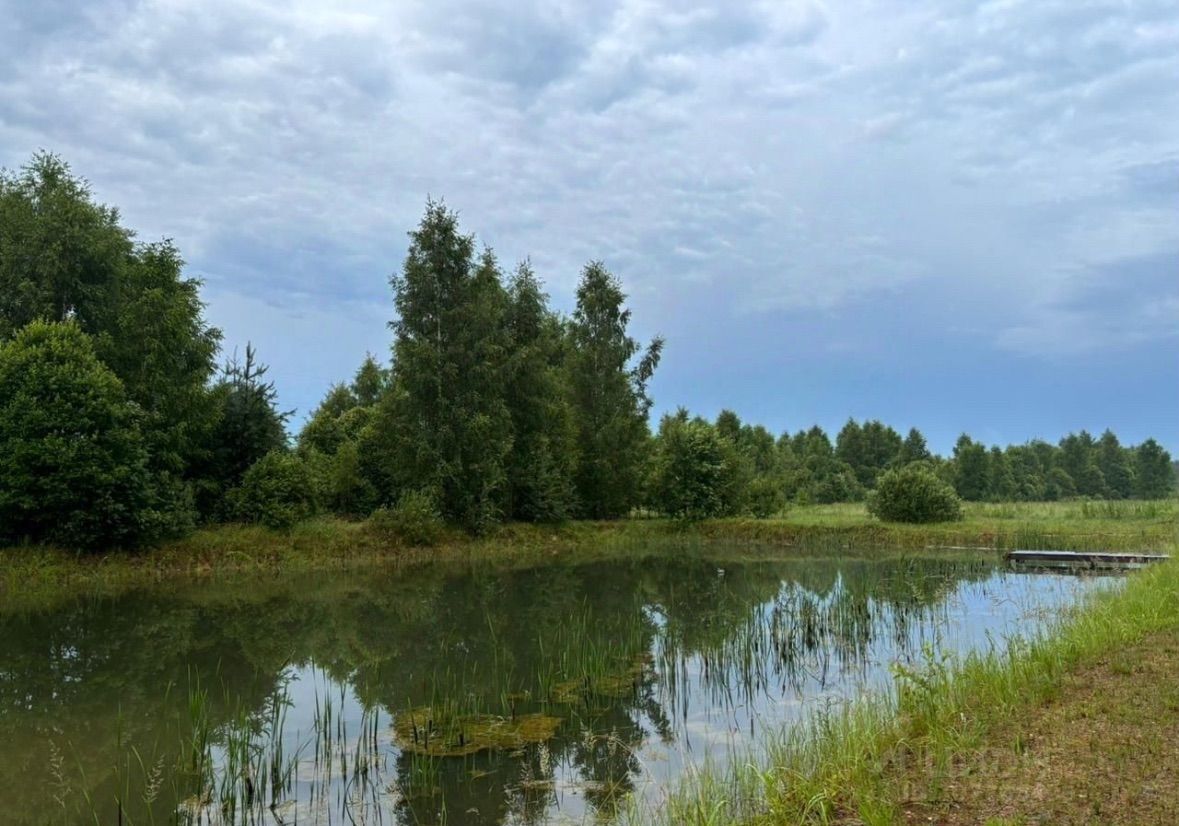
[[960, 216]]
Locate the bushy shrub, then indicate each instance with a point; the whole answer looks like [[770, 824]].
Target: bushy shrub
[[72, 460], [414, 520], [278, 490], [766, 497], [914, 493]]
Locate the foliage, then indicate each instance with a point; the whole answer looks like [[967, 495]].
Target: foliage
[[1153, 470], [61, 254], [65, 257], [694, 468], [914, 494], [248, 427], [766, 497], [540, 464], [971, 471], [73, 467], [414, 520], [609, 396], [445, 424], [277, 491]]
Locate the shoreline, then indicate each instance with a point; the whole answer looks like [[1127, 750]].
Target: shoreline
[[31, 574], [910, 755]]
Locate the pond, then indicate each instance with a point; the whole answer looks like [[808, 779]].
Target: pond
[[463, 695]]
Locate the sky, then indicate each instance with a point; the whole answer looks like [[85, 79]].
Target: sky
[[956, 216]]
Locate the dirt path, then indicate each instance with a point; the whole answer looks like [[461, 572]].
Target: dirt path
[[1104, 750]]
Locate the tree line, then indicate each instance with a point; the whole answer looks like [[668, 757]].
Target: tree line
[[704, 468], [121, 421]]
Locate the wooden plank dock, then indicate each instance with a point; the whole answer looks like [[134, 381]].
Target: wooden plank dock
[[1083, 559]]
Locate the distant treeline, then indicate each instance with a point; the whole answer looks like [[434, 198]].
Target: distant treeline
[[119, 427], [703, 468]]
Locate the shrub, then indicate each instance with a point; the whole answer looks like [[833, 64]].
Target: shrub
[[414, 520], [278, 490], [72, 460], [696, 472], [766, 497], [914, 494]]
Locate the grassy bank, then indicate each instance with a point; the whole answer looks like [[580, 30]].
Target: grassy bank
[[908, 757], [844, 530]]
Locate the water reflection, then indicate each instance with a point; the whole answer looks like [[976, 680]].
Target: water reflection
[[451, 695]]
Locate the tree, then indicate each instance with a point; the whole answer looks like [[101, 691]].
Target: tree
[[970, 469], [1152, 465], [248, 426], [369, 382], [540, 464], [73, 467], [867, 449], [881, 446], [1078, 457], [60, 252], [444, 426], [850, 448], [324, 430], [693, 468], [155, 338], [609, 397], [1059, 485], [1027, 472], [1116, 466], [64, 256], [1001, 486], [913, 449]]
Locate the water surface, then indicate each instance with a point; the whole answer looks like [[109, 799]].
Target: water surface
[[459, 695]]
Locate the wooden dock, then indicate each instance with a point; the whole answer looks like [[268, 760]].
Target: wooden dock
[[1083, 559]]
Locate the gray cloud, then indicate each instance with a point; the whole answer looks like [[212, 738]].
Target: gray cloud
[[994, 164]]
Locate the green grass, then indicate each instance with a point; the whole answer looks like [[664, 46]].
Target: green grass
[[847, 765], [31, 574]]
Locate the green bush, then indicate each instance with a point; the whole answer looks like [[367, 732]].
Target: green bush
[[414, 520], [914, 493], [72, 460], [766, 497], [278, 490]]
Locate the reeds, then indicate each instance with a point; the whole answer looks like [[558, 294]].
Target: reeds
[[843, 763]]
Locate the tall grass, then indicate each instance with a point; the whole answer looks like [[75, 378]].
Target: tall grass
[[844, 762]]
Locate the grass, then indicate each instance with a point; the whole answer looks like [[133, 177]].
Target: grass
[[32, 575], [1103, 748], [882, 760]]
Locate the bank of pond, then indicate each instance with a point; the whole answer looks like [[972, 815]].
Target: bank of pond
[[461, 692]]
